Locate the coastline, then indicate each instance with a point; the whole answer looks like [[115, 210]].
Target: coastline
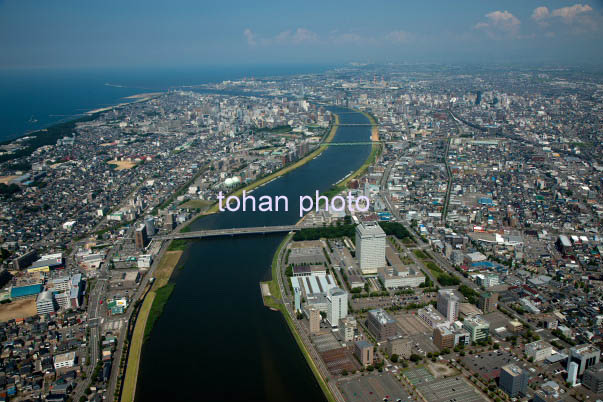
[[143, 97], [134, 99]]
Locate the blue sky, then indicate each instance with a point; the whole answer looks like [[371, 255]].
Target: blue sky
[[108, 33]]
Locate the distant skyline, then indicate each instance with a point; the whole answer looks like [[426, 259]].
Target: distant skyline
[[75, 34]]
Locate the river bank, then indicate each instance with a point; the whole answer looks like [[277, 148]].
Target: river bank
[[214, 304], [323, 145], [275, 301], [151, 309], [156, 298]]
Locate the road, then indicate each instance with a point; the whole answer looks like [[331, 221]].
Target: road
[[449, 186], [303, 332], [230, 232], [437, 257]]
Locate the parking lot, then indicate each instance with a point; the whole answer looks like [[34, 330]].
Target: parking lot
[[498, 320], [454, 389], [373, 387], [418, 376], [488, 364], [419, 333]]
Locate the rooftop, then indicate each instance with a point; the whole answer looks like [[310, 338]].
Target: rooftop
[[381, 316]]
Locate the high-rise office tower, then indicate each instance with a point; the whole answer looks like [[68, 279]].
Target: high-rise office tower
[[370, 247]]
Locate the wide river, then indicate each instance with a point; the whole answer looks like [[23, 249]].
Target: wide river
[[215, 340]]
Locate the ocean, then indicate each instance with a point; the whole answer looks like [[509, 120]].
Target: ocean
[[32, 99]]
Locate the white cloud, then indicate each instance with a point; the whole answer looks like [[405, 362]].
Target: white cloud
[[540, 15], [250, 37], [302, 35], [569, 14], [579, 17], [299, 36], [499, 22]]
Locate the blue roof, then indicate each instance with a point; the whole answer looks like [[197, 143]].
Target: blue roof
[[22, 291], [486, 201], [487, 264]]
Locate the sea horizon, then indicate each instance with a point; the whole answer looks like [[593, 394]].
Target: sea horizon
[[36, 98]]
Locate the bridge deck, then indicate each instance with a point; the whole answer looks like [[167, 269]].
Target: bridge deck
[[230, 232]]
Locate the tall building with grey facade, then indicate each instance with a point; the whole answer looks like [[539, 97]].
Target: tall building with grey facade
[[513, 380], [448, 304], [584, 356]]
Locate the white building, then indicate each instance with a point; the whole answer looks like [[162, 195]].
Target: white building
[[45, 303], [349, 326], [487, 280], [64, 360], [370, 247], [448, 304], [63, 298], [539, 350], [393, 278], [431, 316], [337, 305], [144, 261]]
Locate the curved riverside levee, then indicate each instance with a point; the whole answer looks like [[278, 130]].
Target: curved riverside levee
[[215, 339]]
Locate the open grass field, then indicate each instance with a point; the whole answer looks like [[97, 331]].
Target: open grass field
[[197, 204], [149, 312], [420, 254], [7, 179], [122, 165], [20, 308]]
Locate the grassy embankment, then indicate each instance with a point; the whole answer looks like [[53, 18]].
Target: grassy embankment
[[376, 149], [278, 173], [152, 307], [275, 302]]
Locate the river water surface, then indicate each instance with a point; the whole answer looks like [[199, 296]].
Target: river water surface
[[215, 340]]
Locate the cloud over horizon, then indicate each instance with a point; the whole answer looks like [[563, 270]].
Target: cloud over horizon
[[580, 16], [499, 23]]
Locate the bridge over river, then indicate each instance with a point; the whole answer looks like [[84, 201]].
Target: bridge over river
[[231, 232]]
